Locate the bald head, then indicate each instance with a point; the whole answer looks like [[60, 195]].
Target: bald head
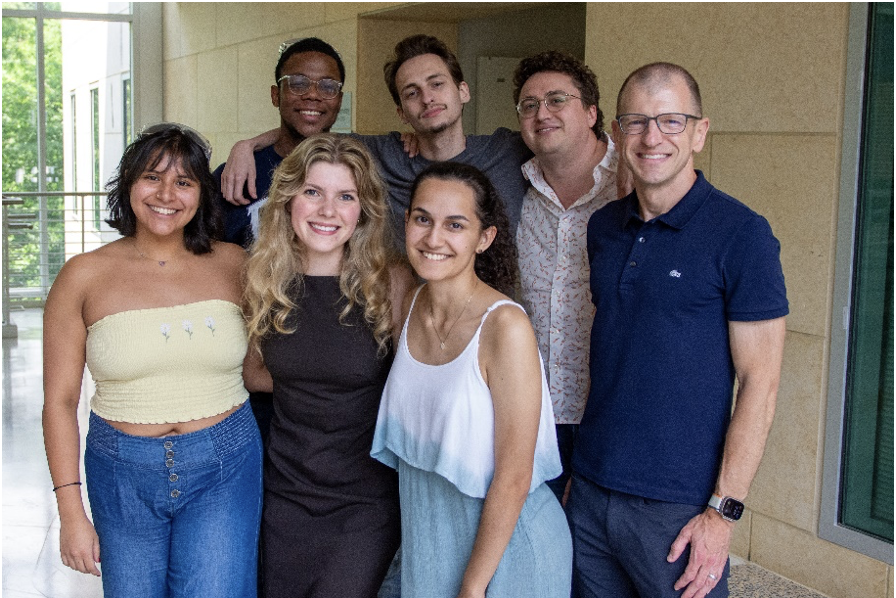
[[656, 77]]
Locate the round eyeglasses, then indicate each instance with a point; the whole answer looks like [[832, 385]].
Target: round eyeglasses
[[300, 85], [670, 123], [554, 102]]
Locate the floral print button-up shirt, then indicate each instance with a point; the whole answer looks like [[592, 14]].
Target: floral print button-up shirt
[[554, 275]]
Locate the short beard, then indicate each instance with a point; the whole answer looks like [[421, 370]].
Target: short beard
[[440, 128]]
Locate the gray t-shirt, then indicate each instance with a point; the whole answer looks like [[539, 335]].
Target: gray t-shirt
[[499, 155]]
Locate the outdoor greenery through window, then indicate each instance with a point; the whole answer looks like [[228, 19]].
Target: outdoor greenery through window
[[20, 146], [66, 86]]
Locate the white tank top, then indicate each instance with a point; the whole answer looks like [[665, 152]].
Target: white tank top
[[440, 418]]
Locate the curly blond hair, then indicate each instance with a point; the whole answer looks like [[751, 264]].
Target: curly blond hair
[[275, 268]]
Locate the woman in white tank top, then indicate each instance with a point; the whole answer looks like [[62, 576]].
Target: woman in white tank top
[[466, 417]]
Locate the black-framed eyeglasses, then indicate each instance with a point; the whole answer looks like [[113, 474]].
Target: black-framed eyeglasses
[[554, 102], [670, 123], [193, 134], [300, 85]]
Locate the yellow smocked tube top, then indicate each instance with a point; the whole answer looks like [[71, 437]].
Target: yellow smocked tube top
[[168, 364]]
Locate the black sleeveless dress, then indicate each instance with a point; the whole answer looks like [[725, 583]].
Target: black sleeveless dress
[[331, 521]]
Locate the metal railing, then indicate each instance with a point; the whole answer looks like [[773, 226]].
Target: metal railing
[[37, 241], [11, 222]]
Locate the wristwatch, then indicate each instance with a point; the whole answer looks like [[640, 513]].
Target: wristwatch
[[729, 508]]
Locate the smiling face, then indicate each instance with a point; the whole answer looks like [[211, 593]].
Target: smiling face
[[324, 215], [556, 132], [431, 102], [443, 233], [309, 114], [659, 161], [164, 198]]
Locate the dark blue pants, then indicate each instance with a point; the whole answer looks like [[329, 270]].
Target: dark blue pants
[[620, 543]]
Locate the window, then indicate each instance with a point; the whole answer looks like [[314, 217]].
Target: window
[[95, 153], [126, 127], [52, 58], [73, 148], [857, 503]]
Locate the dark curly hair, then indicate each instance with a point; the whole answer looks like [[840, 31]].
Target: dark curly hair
[[176, 144], [418, 45], [308, 44], [560, 62], [497, 265]]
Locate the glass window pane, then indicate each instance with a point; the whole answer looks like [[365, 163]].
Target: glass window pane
[[96, 59], [111, 8], [77, 56], [19, 105], [867, 489], [20, 150], [52, 220]]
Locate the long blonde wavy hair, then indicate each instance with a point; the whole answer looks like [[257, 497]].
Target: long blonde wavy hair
[[276, 265]]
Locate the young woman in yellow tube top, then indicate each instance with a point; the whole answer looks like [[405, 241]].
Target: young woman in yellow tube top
[[173, 457], [322, 302]]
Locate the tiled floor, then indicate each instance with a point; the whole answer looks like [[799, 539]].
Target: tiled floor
[[749, 580], [31, 563]]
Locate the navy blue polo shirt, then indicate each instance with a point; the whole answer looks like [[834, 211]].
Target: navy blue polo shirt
[[661, 369]]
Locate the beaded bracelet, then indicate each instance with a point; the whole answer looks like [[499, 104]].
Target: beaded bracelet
[[64, 485]]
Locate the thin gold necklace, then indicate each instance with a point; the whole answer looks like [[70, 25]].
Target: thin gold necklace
[[143, 255], [432, 319]]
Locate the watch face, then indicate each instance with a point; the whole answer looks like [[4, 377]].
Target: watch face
[[732, 509]]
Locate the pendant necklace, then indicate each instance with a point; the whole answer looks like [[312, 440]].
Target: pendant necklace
[[143, 255], [456, 320]]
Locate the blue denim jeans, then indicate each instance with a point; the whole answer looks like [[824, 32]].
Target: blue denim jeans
[[620, 543], [179, 515]]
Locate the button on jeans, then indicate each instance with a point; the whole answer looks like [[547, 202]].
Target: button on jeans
[[180, 515]]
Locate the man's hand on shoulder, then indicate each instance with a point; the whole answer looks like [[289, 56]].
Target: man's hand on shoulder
[[411, 144], [239, 171], [709, 537]]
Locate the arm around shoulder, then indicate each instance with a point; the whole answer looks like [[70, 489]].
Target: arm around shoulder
[[239, 170]]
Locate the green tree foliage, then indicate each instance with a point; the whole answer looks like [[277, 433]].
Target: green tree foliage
[[20, 149]]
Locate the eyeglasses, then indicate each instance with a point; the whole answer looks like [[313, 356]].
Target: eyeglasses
[[300, 85], [670, 123], [194, 135], [554, 102]]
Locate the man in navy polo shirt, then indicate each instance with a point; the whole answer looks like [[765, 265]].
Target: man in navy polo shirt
[[689, 294]]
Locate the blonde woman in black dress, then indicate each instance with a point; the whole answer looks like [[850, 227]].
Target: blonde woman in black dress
[[323, 302]]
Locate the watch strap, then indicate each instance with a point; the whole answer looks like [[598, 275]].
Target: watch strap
[[729, 508]]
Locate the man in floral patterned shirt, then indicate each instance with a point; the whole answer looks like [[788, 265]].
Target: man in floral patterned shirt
[[572, 174]]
